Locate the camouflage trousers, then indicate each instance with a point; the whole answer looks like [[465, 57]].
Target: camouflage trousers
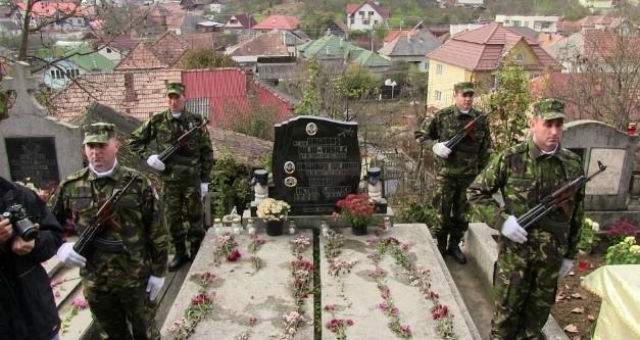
[[450, 201], [183, 212], [114, 308], [525, 282]]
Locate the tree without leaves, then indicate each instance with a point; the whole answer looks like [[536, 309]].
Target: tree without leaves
[[606, 85]]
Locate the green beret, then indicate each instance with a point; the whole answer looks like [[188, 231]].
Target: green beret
[[548, 109], [175, 88], [464, 87], [98, 133]]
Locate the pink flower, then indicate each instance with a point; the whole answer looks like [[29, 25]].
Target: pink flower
[[406, 330], [200, 299], [439, 312], [330, 308], [234, 256], [252, 321], [79, 303]]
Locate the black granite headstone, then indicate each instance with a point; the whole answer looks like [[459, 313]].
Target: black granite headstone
[[33, 158], [316, 162]]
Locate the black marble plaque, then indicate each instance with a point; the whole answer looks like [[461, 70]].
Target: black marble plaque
[[33, 158], [316, 162]]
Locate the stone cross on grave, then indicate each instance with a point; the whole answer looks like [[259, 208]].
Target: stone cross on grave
[[23, 84]]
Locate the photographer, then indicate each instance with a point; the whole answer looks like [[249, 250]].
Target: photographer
[[28, 309]]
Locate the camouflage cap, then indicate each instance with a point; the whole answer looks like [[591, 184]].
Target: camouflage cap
[[464, 87], [98, 133], [175, 88], [548, 109]]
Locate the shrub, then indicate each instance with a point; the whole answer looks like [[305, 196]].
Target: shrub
[[625, 252], [588, 235]]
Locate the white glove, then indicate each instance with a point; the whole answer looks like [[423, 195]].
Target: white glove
[[204, 189], [155, 162], [513, 231], [69, 257], [441, 150], [565, 268], [153, 286]]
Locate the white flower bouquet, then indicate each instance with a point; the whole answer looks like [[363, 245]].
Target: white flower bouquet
[[271, 209]]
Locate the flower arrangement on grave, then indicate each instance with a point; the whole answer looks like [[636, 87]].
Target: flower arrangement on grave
[[201, 304], [273, 210], [417, 277], [255, 243], [227, 247], [339, 327], [625, 252], [275, 213], [301, 285], [77, 305], [357, 209]]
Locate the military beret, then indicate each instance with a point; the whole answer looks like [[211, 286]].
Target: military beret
[[98, 133], [175, 88], [548, 109], [464, 87]]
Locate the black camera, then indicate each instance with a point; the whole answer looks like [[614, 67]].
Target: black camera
[[21, 223]]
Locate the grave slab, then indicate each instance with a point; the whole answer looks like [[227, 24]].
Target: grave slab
[[243, 293], [358, 297]]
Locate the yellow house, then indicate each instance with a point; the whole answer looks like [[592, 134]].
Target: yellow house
[[475, 55]]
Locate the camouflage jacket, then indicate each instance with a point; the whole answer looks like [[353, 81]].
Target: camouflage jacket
[[472, 153], [523, 175], [145, 239], [192, 161]]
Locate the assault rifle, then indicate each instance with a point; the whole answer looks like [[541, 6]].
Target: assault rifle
[[451, 143], [103, 218], [556, 199], [181, 141]]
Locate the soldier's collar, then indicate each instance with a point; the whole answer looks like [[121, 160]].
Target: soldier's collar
[[471, 112], [115, 173], [536, 153]]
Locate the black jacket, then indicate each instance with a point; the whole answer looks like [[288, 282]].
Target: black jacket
[[28, 309]]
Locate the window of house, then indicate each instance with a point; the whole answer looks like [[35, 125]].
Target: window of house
[[375, 22], [519, 57], [517, 23], [365, 22], [58, 74], [53, 73], [439, 69], [353, 20], [108, 50], [361, 13], [370, 13], [438, 95]]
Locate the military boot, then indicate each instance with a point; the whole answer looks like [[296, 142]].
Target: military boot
[[180, 258], [455, 252], [442, 243]]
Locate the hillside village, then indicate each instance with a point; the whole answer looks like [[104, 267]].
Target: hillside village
[[387, 65]]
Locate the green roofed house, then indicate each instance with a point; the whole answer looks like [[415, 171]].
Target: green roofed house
[[332, 50], [80, 59]]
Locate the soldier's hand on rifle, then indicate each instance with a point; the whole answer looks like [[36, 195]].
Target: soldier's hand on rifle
[[155, 162], [6, 230], [153, 286], [68, 256], [22, 247], [513, 231], [441, 150], [204, 189], [565, 268]]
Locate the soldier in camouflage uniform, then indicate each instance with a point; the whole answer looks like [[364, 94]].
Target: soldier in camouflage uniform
[[185, 175], [530, 263], [456, 168], [125, 269]]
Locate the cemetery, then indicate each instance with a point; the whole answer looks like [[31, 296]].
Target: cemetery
[[319, 252]]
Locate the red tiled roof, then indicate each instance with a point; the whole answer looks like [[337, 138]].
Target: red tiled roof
[[165, 52], [268, 44], [278, 22], [226, 91], [481, 49], [140, 58], [48, 9], [384, 12], [138, 94], [392, 35]]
